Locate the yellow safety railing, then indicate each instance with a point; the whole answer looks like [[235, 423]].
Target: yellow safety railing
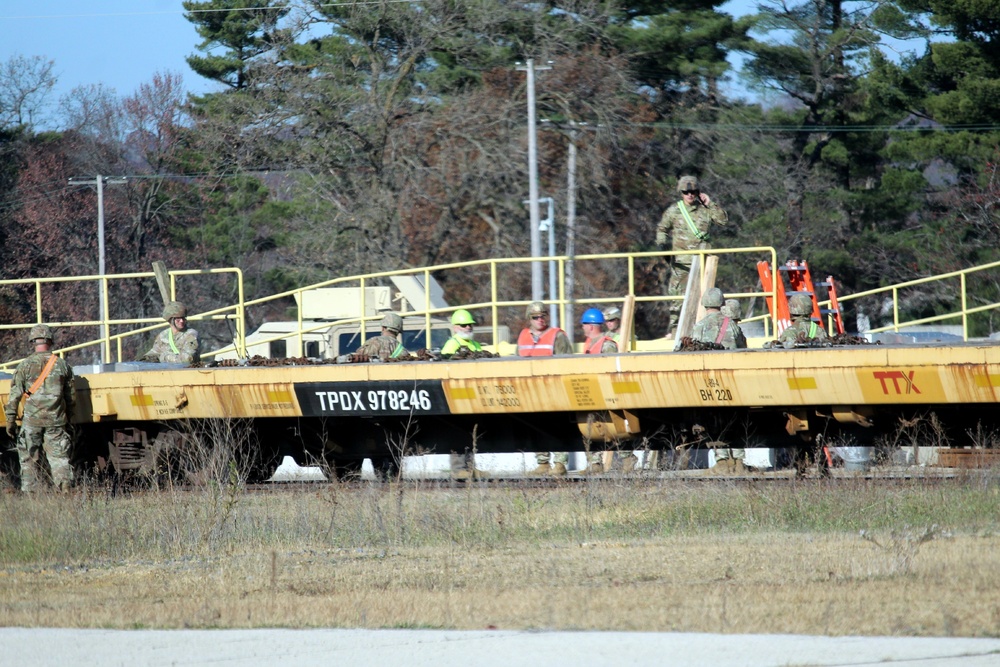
[[494, 269], [107, 343], [962, 312]]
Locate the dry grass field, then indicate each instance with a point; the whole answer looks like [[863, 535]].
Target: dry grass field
[[862, 557]]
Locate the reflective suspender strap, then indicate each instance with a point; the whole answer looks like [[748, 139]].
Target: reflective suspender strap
[[170, 338], [397, 352], [813, 329], [701, 236], [722, 331]]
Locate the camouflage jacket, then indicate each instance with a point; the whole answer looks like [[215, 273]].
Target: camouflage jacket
[[674, 229], [52, 405], [187, 348], [803, 325], [708, 328], [383, 347]]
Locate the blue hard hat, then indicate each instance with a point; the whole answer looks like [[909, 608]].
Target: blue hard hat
[[592, 316]]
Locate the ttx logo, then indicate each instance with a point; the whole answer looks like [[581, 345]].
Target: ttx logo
[[902, 383]]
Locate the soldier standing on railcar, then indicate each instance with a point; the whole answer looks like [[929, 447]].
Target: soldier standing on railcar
[[538, 339], [613, 323], [686, 226], [733, 311], [179, 343], [716, 327], [802, 329], [44, 384], [386, 346]]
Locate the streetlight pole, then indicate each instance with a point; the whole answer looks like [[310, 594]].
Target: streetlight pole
[[536, 233], [99, 181], [570, 226]]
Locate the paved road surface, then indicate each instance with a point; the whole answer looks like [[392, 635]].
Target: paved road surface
[[360, 648]]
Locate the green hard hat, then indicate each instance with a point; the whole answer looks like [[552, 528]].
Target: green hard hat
[[800, 304], [40, 331], [713, 298], [392, 322], [462, 316]]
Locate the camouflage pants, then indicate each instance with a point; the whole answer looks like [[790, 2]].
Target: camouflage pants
[[680, 269], [542, 458], [723, 453], [35, 444], [463, 461]]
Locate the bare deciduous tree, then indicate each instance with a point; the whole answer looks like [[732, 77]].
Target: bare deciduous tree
[[25, 84]]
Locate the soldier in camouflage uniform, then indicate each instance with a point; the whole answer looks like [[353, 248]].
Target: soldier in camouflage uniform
[[733, 311], [47, 411], [716, 327], [686, 226], [802, 329], [613, 323], [179, 343], [386, 346], [538, 339]]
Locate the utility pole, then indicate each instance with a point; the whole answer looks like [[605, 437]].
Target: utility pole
[[570, 227], [99, 181], [536, 234]]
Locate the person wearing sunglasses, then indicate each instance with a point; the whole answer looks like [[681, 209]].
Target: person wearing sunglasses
[[686, 226], [539, 339], [179, 343], [463, 464], [462, 322]]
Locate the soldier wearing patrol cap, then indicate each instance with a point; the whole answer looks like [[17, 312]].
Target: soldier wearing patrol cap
[[802, 329], [43, 384], [686, 226], [539, 339], [179, 343], [387, 346]]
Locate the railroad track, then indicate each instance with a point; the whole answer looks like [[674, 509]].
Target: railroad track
[[889, 475]]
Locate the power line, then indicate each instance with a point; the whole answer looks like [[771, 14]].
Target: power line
[[778, 129], [207, 11]]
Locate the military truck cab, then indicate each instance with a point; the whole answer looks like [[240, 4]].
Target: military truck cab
[[331, 322]]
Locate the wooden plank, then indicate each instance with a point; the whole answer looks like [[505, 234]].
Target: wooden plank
[[625, 328], [707, 281], [692, 295], [162, 280]]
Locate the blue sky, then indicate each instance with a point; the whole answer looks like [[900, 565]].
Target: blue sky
[[120, 43]]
